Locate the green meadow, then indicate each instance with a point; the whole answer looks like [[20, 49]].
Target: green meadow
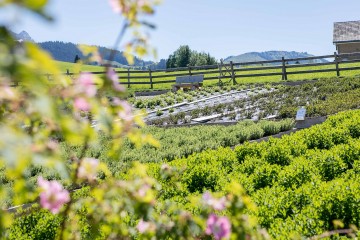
[[163, 76]]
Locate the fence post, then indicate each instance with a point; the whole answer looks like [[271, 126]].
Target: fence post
[[220, 71], [128, 78], [151, 81], [337, 64], [189, 69], [233, 73], [284, 75]]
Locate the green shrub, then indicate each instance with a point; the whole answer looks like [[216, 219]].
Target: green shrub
[[277, 153], [270, 128], [39, 225]]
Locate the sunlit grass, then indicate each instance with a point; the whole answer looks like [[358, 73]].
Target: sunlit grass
[[162, 76]]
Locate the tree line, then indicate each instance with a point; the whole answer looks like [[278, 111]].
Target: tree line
[[184, 57]]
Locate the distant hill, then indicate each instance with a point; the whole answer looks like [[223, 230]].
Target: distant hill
[[22, 36], [270, 55], [66, 52]]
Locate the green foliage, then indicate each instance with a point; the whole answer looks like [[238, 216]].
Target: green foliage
[[184, 57], [36, 225], [301, 183], [182, 142]]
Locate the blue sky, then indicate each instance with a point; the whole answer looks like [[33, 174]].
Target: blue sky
[[223, 28]]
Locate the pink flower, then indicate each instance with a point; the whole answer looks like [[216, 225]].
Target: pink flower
[[117, 7], [82, 104], [86, 84], [115, 101], [111, 74], [216, 204], [7, 93], [144, 226], [126, 113], [141, 3], [53, 195], [88, 169], [143, 190], [220, 227]]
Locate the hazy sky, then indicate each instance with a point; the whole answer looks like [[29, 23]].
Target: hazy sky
[[223, 28]]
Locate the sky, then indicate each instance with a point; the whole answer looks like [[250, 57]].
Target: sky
[[222, 28]]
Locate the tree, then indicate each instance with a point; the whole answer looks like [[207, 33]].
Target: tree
[[210, 60], [171, 62], [184, 56], [76, 58]]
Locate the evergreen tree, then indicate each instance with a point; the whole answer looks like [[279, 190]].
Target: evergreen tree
[[171, 62], [210, 60], [76, 58], [184, 56]]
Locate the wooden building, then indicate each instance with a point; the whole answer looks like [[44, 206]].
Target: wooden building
[[347, 37]]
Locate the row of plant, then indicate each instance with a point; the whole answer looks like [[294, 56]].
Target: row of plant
[[173, 143], [171, 98], [301, 183], [181, 142], [321, 98]]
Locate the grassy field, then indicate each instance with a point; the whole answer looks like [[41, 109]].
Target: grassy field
[[74, 68], [240, 80]]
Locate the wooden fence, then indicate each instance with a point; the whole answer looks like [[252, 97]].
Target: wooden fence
[[233, 71]]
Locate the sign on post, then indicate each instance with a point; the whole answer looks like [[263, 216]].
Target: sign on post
[[300, 115]]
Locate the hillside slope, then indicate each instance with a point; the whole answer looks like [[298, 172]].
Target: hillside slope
[[269, 55]]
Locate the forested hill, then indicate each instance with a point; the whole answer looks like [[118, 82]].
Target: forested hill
[[67, 52], [268, 56]]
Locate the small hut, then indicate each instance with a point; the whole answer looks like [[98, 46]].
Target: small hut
[[347, 37]]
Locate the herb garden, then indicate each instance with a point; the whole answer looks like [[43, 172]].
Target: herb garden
[[80, 159]]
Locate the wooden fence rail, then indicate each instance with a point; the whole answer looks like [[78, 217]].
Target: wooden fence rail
[[235, 71]]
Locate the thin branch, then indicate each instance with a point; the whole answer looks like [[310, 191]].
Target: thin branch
[[117, 42], [74, 180]]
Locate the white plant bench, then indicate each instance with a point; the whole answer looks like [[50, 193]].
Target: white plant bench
[[193, 82]]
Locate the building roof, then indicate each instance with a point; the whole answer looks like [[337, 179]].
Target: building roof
[[347, 31]]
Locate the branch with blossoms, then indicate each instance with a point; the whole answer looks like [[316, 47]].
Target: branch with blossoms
[[38, 115]]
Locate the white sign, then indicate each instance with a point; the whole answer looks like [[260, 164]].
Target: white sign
[[300, 115]]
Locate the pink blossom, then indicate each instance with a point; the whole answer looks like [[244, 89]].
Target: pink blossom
[[82, 104], [111, 74], [88, 169], [126, 112], [7, 93], [216, 204], [116, 101], [53, 195], [143, 226], [143, 190], [86, 84], [220, 227], [117, 7], [141, 3]]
